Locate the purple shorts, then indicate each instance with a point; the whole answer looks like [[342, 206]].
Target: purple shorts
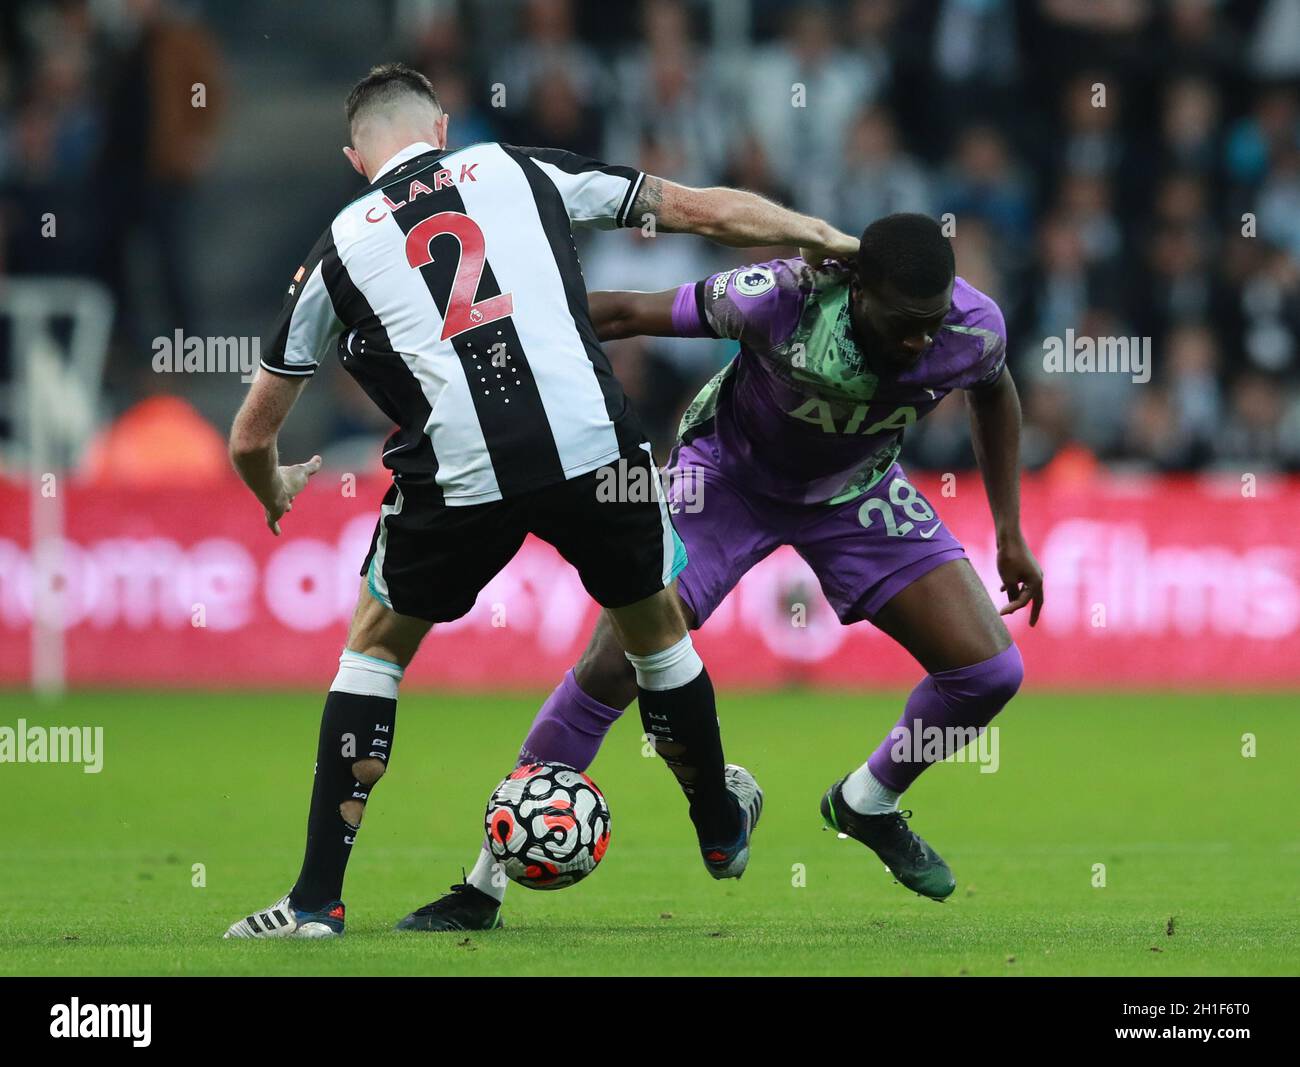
[[863, 551]]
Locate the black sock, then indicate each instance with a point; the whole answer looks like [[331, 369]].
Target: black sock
[[352, 728], [684, 724]]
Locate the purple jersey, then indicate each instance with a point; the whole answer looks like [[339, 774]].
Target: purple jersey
[[796, 414]]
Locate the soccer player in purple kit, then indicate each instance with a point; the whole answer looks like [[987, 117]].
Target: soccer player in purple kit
[[795, 442]]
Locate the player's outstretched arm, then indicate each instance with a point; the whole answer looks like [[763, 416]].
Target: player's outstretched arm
[[737, 218], [995, 432], [254, 451], [624, 314]]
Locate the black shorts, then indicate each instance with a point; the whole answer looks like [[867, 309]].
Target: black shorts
[[431, 561]]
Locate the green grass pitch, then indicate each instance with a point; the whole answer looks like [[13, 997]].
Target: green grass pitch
[[1201, 845]]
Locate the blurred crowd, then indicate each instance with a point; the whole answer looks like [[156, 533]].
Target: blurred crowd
[[103, 138], [1114, 168]]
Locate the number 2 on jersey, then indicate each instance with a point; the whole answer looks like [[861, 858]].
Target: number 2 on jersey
[[462, 312]]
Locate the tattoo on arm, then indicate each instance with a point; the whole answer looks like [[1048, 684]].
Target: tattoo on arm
[[648, 198]]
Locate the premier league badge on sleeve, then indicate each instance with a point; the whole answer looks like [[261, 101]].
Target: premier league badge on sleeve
[[755, 281]]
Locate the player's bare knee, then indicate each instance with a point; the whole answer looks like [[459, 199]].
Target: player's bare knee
[[371, 641], [381, 633], [649, 625], [603, 672]]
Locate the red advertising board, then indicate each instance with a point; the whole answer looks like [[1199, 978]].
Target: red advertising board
[[1150, 582]]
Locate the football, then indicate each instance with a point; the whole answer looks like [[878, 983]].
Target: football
[[547, 825]]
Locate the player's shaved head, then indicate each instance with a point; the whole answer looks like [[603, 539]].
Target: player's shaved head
[[392, 94], [391, 107], [908, 252], [903, 289]]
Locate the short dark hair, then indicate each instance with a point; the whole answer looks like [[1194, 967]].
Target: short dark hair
[[385, 83], [909, 251]]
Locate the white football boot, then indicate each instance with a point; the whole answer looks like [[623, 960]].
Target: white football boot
[[282, 919], [730, 861]]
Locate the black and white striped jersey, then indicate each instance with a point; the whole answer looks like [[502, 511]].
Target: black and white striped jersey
[[453, 293]]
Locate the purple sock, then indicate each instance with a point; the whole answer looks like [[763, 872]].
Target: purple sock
[[967, 697], [569, 728]]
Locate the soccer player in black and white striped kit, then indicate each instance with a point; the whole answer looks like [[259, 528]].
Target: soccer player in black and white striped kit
[[452, 292]]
